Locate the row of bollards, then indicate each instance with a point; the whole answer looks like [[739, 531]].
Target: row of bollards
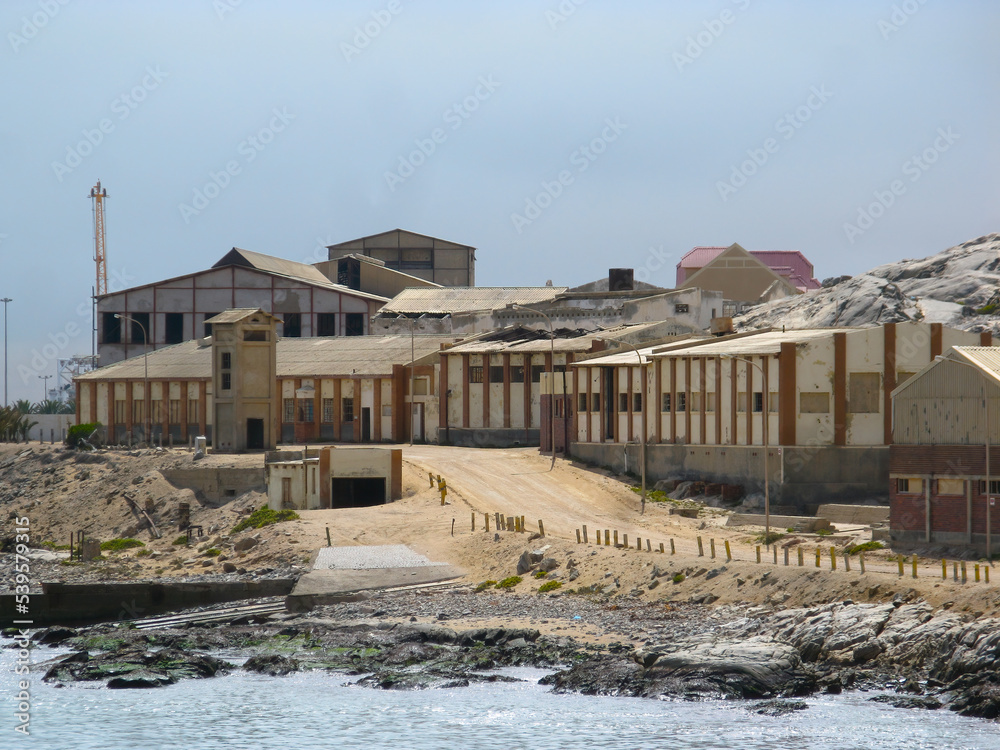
[[503, 522], [611, 539]]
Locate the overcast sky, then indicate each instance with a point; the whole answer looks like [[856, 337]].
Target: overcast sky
[[559, 138]]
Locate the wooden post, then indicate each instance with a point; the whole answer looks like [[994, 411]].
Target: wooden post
[[977, 572], [486, 520], [616, 537], [847, 562], [774, 549], [954, 571], [607, 537], [729, 553], [861, 561], [541, 527], [624, 541], [672, 551], [965, 573], [801, 556], [701, 548], [986, 573], [522, 524], [638, 543], [473, 520], [328, 542], [661, 548], [833, 558], [649, 548], [585, 534], [711, 547], [900, 561], [786, 557], [453, 527], [944, 569], [817, 557], [430, 478], [914, 566], [578, 536], [758, 554]]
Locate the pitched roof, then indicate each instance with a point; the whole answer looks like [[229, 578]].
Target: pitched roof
[[293, 269], [237, 314], [791, 264], [376, 239], [190, 360], [449, 300]]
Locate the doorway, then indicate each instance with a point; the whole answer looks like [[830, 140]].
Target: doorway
[[366, 424], [354, 492], [607, 391], [255, 434]]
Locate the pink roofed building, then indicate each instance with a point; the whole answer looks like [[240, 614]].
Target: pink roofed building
[[789, 264]]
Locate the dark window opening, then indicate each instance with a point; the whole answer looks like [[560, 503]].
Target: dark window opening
[[227, 381], [595, 404], [353, 492], [582, 402], [140, 328], [293, 326], [496, 374], [994, 486], [665, 406], [517, 373], [112, 329], [255, 335], [536, 373], [227, 361], [347, 409], [326, 324], [680, 308], [636, 402], [208, 326], [476, 374], [173, 328], [758, 401], [682, 402], [622, 402], [354, 324]]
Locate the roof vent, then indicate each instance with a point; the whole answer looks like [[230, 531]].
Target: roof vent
[[620, 280]]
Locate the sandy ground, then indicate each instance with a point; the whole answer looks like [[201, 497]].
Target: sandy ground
[[512, 482]]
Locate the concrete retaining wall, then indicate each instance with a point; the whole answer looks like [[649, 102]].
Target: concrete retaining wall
[[217, 484], [859, 514], [65, 604], [807, 524], [802, 477], [492, 438]]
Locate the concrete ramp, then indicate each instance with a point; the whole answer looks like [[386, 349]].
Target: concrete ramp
[[342, 574]]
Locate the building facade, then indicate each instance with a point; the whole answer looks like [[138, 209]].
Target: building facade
[[429, 258]]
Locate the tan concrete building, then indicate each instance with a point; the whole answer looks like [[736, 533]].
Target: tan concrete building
[[331, 477], [429, 258]]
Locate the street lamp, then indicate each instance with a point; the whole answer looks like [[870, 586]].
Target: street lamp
[[765, 420], [45, 386], [986, 407], [552, 372], [5, 300], [145, 367], [642, 441]]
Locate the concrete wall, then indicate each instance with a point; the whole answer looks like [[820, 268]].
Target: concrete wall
[[217, 484], [801, 477], [50, 426]]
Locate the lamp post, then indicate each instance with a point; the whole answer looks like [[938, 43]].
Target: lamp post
[[642, 440], [146, 400], [413, 394], [5, 300], [765, 420], [986, 408], [45, 386], [552, 372]]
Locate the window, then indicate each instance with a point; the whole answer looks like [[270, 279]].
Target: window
[[517, 373], [173, 328], [994, 486], [951, 487], [288, 410], [227, 361], [156, 408], [305, 410], [910, 485], [347, 409], [696, 401], [758, 402], [326, 324], [174, 411], [814, 403], [636, 402], [208, 326], [741, 401], [682, 401], [112, 329], [421, 386], [354, 324], [139, 328], [138, 413], [227, 381], [192, 410], [582, 402], [665, 405], [292, 328], [476, 374], [496, 374], [680, 308], [120, 412], [709, 401], [863, 393], [255, 335], [595, 404], [327, 409], [536, 373], [622, 402]]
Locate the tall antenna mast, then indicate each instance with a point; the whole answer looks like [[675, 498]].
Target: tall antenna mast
[[98, 196]]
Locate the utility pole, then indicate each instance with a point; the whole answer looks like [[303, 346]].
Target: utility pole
[[45, 386], [5, 300]]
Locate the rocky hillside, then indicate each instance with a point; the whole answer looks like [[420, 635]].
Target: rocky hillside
[[959, 287]]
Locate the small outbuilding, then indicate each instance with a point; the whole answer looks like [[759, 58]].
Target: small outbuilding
[[332, 477]]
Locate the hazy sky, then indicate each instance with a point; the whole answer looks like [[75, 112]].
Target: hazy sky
[[559, 138]]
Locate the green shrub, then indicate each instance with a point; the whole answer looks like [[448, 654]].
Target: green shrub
[[986, 310], [866, 547], [678, 577], [484, 585], [769, 539], [182, 539], [213, 552], [81, 432], [117, 545], [509, 582], [144, 552], [823, 532], [264, 516], [540, 574], [549, 586]]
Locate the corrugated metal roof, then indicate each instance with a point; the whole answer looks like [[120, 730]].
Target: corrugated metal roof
[[756, 344], [622, 356], [467, 298], [238, 313], [986, 358], [272, 264], [189, 360], [791, 264]]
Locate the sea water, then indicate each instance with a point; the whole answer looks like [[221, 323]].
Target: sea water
[[325, 710]]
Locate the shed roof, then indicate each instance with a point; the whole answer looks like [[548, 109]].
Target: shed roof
[[986, 359], [757, 343], [190, 360]]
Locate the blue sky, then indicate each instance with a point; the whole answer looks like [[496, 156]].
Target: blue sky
[[559, 138]]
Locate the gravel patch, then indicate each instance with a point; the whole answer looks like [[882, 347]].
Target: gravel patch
[[368, 558]]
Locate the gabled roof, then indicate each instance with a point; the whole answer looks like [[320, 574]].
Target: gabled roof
[[236, 314], [733, 251], [449, 300], [986, 359], [293, 269], [789, 264], [376, 240]]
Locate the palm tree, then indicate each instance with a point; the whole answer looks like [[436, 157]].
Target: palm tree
[[23, 406], [48, 406]]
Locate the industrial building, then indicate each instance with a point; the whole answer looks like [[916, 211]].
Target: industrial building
[[439, 261], [945, 418]]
